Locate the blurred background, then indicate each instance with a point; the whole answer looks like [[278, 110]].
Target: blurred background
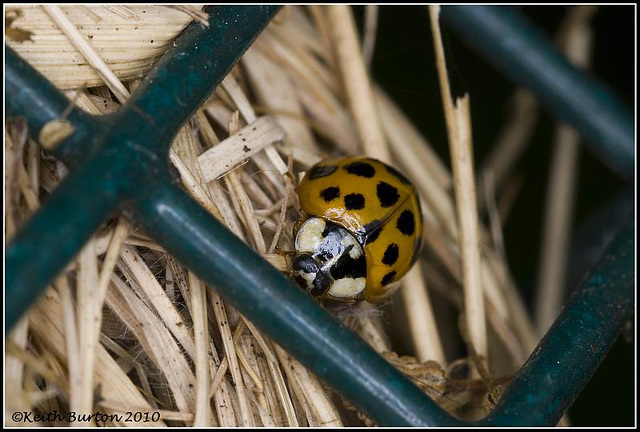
[[403, 64]]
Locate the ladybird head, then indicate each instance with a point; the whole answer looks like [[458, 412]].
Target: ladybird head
[[328, 261], [309, 275]]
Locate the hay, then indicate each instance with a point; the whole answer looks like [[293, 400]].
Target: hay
[[127, 328]]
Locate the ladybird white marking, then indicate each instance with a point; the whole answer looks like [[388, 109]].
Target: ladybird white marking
[[308, 277], [310, 235], [347, 288]]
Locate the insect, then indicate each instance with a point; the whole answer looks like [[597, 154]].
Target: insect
[[362, 230]]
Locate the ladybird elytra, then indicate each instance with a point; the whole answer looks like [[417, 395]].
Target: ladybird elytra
[[362, 229]]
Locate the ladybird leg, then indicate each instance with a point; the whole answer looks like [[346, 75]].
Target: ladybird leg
[[290, 175], [287, 256], [285, 253]]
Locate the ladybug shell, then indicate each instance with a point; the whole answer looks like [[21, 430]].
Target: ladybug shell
[[377, 205]]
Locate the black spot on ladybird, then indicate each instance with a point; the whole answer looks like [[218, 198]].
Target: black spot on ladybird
[[354, 201], [361, 169], [388, 278], [391, 254], [397, 174], [319, 171], [330, 193], [329, 229], [349, 267], [387, 194], [406, 223]]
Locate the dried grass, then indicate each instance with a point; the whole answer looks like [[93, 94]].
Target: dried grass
[[576, 39], [458, 119], [127, 328]]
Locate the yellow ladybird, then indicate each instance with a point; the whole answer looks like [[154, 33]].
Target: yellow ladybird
[[361, 233]]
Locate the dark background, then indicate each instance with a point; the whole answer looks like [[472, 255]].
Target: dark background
[[404, 65]]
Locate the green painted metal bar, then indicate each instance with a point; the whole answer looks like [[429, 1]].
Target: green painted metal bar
[[24, 86], [259, 291], [519, 50], [188, 73], [55, 233], [115, 152], [283, 311], [566, 358], [31, 95], [594, 234], [132, 148]]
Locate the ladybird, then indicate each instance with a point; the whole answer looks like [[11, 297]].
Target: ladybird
[[361, 231]]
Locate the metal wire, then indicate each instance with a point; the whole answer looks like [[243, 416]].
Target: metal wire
[[519, 50]]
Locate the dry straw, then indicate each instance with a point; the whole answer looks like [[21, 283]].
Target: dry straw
[[127, 328], [457, 115], [575, 38]]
